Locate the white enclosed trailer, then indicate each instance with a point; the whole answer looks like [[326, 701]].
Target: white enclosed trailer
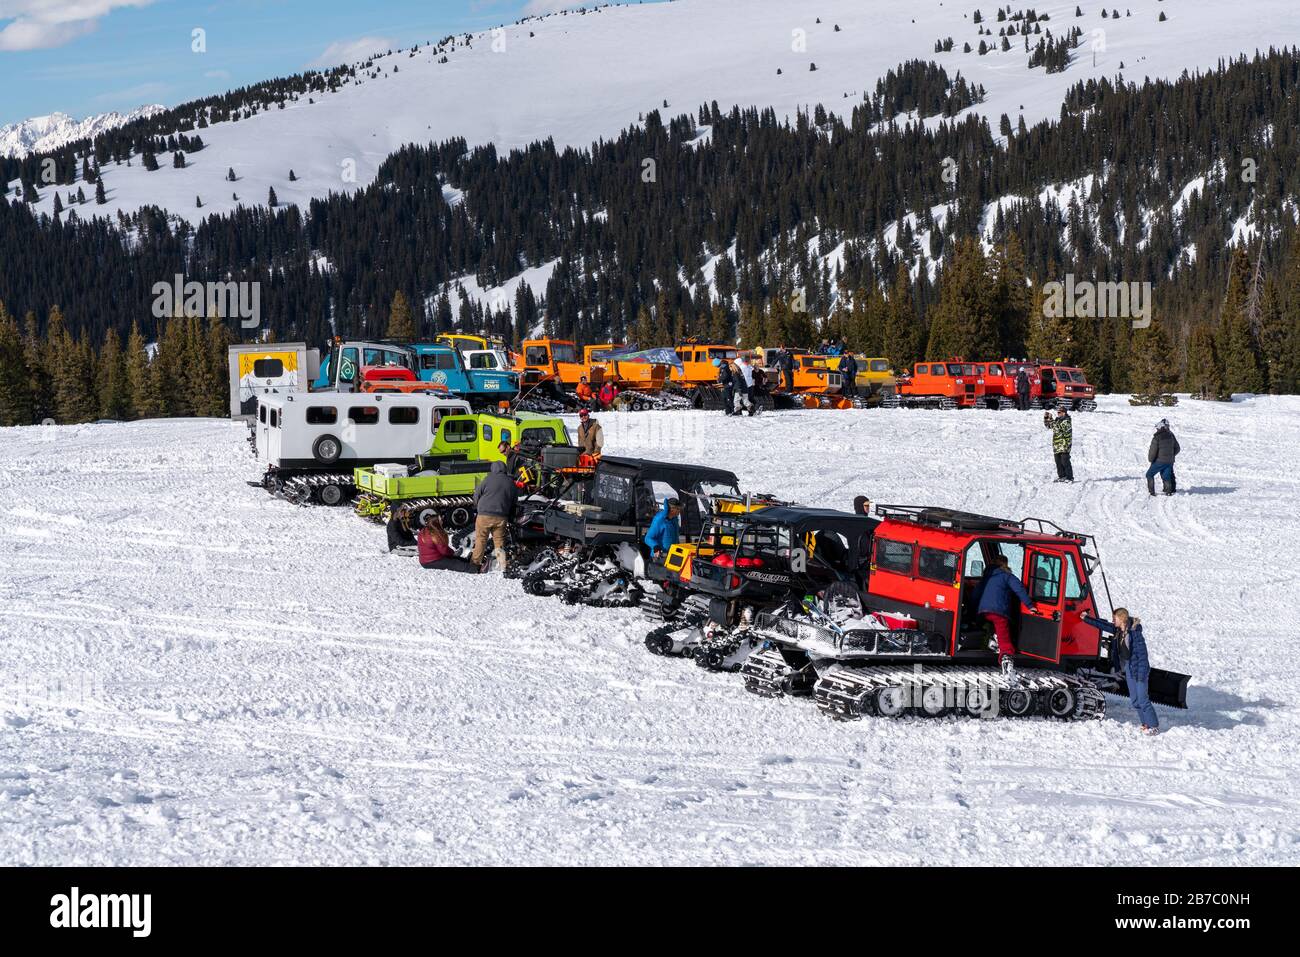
[[268, 368]]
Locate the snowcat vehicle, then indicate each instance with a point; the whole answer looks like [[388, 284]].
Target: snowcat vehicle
[[641, 385], [465, 343], [883, 620], [598, 520], [443, 477], [999, 385], [480, 377], [341, 369], [818, 383], [313, 441], [937, 385], [875, 379], [698, 378], [1011, 368], [548, 370], [1067, 387]]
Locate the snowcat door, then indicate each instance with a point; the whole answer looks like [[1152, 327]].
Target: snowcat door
[[1040, 629]]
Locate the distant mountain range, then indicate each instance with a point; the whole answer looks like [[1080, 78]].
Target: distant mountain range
[[40, 134]]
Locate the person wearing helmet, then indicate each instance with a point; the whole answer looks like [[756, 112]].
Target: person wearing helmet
[[590, 435], [1164, 449], [726, 379]]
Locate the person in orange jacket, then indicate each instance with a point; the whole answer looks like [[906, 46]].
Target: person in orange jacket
[[584, 393]]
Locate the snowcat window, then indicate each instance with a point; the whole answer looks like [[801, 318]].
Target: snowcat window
[[348, 365], [937, 566], [922, 370], [535, 436], [261, 413], [459, 430], [879, 365], [894, 556], [364, 414], [995, 370], [1077, 376], [437, 360], [1045, 578], [404, 415], [975, 561], [483, 361], [1074, 589], [275, 419], [564, 353], [505, 436], [487, 432], [536, 356], [938, 369], [268, 368], [322, 415]]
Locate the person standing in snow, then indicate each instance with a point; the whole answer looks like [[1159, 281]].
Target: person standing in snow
[[785, 363], [998, 592], [494, 499], [1164, 449], [744, 385], [1062, 442], [591, 438], [1022, 390], [1131, 659], [665, 529], [849, 371], [727, 380]]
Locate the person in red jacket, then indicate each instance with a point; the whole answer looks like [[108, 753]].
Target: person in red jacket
[[608, 393], [435, 550]]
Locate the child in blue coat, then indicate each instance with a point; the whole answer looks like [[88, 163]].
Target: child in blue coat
[[1131, 657]]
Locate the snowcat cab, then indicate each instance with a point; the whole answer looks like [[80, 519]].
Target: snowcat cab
[[598, 522], [938, 385], [698, 378], [914, 639], [343, 367], [1011, 369], [875, 378], [1067, 387], [397, 379]]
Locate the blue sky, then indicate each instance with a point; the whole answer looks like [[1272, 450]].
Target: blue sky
[[83, 57]]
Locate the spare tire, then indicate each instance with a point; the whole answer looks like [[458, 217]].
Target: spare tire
[[327, 449]]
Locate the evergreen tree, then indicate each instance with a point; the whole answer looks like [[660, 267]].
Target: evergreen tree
[[74, 399], [16, 406], [750, 327], [111, 387], [964, 323], [904, 335], [142, 386], [401, 325], [1152, 366], [40, 381], [1048, 336], [100, 198], [1242, 367], [1204, 374]]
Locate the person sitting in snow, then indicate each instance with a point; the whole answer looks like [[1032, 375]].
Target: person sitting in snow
[[1131, 659], [608, 393], [665, 529], [585, 396]]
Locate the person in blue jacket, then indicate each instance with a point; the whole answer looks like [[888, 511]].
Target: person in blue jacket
[[998, 592], [665, 529], [1131, 659]]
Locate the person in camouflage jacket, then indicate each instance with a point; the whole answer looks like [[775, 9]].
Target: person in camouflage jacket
[[1062, 440]]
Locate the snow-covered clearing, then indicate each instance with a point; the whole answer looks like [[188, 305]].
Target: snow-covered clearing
[[194, 672]]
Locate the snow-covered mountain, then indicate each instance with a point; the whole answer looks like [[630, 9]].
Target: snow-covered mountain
[[41, 133], [577, 77]]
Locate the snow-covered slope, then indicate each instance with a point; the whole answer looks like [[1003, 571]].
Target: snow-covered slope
[[41, 133], [194, 672], [578, 77]]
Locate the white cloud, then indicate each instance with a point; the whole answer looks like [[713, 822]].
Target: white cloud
[[41, 24], [349, 51], [217, 75]]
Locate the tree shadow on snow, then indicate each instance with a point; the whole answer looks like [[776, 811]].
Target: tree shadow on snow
[[1220, 710]]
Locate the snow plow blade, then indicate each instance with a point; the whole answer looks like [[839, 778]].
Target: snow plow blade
[[1168, 688], [1163, 687]]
